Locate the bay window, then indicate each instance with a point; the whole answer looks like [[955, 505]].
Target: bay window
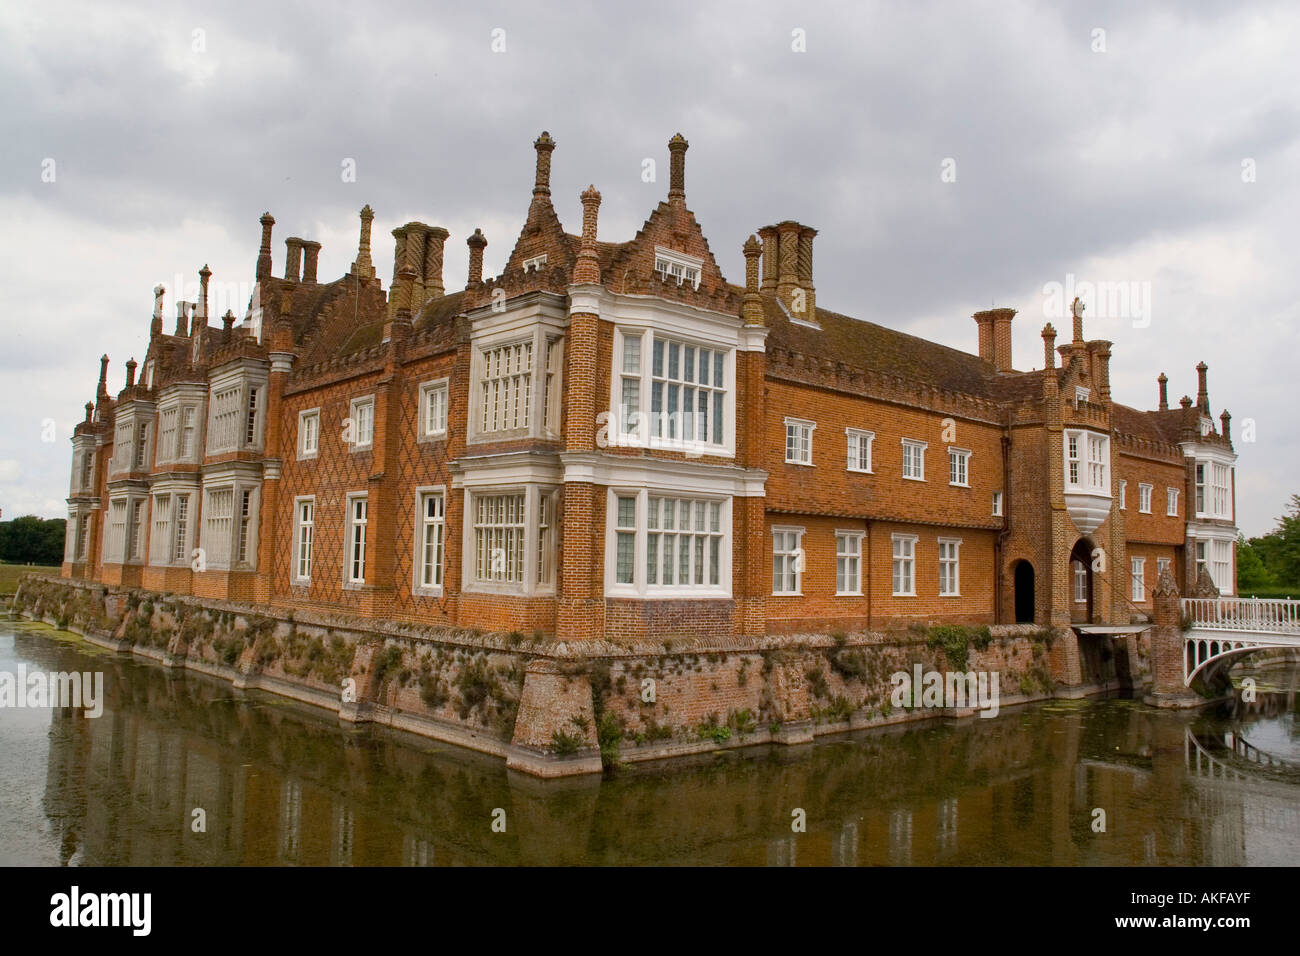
[[669, 391], [667, 545]]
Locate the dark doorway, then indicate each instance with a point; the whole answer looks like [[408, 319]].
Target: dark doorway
[[1024, 589]]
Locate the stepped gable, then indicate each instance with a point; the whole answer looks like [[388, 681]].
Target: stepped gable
[[336, 319], [888, 352]]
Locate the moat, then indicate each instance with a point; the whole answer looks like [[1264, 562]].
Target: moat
[[284, 783]]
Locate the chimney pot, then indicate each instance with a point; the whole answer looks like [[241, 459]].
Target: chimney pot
[[677, 147], [264, 253], [1049, 346], [293, 259], [130, 372], [995, 336], [202, 313], [769, 237], [477, 242], [310, 252], [586, 270], [1202, 393], [544, 146], [434, 240], [363, 267]]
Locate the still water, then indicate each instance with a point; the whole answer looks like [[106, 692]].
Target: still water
[[282, 783]]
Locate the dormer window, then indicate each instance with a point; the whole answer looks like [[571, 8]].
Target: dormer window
[[1081, 394], [535, 264], [677, 268], [1206, 427]]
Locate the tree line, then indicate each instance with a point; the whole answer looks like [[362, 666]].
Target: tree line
[[32, 540], [1271, 562]]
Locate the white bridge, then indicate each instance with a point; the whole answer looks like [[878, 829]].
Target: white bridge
[[1225, 628]]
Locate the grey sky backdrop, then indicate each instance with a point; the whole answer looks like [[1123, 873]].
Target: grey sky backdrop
[[1117, 166]]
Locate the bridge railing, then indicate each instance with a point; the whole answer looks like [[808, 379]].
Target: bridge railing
[[1244, 614]]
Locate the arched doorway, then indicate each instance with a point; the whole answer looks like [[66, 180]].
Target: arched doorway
[[1080, 582], [1024, 592]]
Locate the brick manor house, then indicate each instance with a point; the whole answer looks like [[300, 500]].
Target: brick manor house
[[610, 439]]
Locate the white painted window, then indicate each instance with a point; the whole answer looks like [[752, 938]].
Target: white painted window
[[123, 445], [167, 420], [1087, 462], [1201, 472], [358, 519], [1072, 457], [629, 406], [1081, 394], [309, 433], [673, 266], [950, 567], [625, 541], [1138, 568], [552, 386], [687, 392], [506, 387], [115, 540], [997, 504], [246, 529], [684, 543], [252, 417], [432, 538], [1098, 460], [904, 578], [1221, 571], [787, 560], [362, 413], [141, 461], [545, 538], [1202, 557], [87, 471], [848, 562], [433, 409], [188, 433], [218, 523], [1171, 502], [959, 467], [304, 533], [1123, 494], [223, 434], [914, 460], [534, 264], [500, 522], [1222, 496], [859, 441], [798, 441], [1144, 498], [1080, 582], [136, 530], [181, 530], [160, 540]]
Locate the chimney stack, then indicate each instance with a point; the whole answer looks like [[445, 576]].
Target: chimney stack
[[103, 377], [586, 270], [90, 411], [1202, 395], [787, 267], [264, 253], [293, 259], [434, 238], [363, 267], [1049, 346], [806, 236], [1225, 420], [768, 237], [995, 337], [130, 372], [182, 319], [310, 250], [677, 147], [201, 315], [1185, 402], [155, 324], [1076, 310], [1101, 370], [476, 243], [544, 146], [1163, 381], [751, 308], [227, 322]]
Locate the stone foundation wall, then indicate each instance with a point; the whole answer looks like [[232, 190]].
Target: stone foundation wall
[[555, 708]]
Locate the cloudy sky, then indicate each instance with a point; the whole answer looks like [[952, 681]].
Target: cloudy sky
[[952, 156]]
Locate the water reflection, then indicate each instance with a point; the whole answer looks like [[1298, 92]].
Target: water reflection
[[280, 783]]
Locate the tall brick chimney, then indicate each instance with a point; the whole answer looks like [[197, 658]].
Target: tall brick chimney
[[768, 237], [1225, 420], [1101, 369], [586, 271], [264, 253], [293, 259], [477, 243], [751, 308], [363, 267], [1049, 346], [1202, 394], [434, 238], [787, 265], [201, 315], [542, 183], [806, 236], [995, 336], [102, 391], [155, 323], [130, 372], [182, 319], [1163, 381], [677, 147], [310, 253], [1076, 310]]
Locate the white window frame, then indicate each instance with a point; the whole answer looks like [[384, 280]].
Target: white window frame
[[1144, 497], [704, 542], [538, 550], [1137, 574], [801, 429], [793, 560], [953, 563], [305, 431], [672, 265], [997, 504], [1221, 491], [355, 541], [856, 440], [1080, 573], [1171, 502], [160, 539], [354, 407], [1221, 553], [299, 525], [1123, 494], [959, 459], [1086, 457], [423, 527], [431, 429], [903, 564], [116, 516], [848, 554], [918, 447]]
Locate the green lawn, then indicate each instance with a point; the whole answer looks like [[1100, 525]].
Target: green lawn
[[10, 573]]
